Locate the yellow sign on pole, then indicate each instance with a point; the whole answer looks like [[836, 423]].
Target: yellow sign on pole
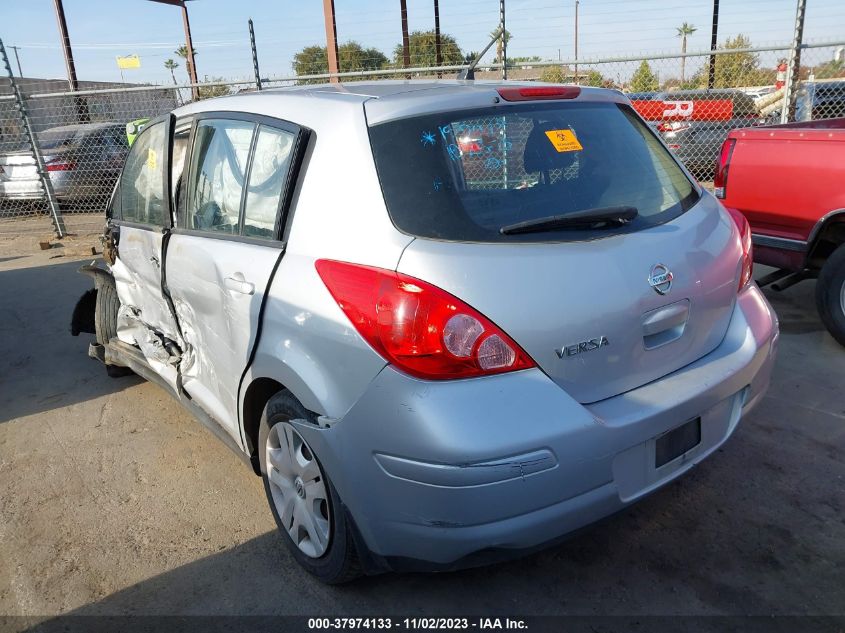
[[128, 61]]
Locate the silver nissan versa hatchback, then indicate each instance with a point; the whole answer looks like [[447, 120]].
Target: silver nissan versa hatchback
[[446, 322]]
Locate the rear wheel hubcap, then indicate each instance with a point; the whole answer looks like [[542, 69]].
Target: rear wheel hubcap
[[298, 490]]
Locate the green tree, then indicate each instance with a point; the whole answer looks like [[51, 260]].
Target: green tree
[[505, 39], [736, 70], [595, 79], [421, 45], [351, 56], [207, 92], [830, 69], [643, 80], [182, 52], [553, 75], [524, 60], [311, 60], [684, 31], [171, 66]]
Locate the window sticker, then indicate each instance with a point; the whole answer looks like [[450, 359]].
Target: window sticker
[[564, 140], [152, 158]]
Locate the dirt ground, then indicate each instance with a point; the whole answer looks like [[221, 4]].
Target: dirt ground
[[113, 500]]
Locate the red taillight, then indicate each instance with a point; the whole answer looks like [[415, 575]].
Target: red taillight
[[540, 92], [60, 165], [747, 249], [720, 180], [421, 329]]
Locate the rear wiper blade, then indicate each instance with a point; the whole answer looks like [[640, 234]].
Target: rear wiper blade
[[603, 217]]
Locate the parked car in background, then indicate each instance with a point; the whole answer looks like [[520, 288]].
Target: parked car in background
[[695, 123], [432, 368], [789, 182], [820, 100], [83, 162]]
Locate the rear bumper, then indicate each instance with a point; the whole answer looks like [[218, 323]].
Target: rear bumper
[[450, 474], [66, 186]]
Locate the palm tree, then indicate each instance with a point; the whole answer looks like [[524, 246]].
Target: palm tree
[[683, 32], [171, 66], [182, 52], [505, 39]]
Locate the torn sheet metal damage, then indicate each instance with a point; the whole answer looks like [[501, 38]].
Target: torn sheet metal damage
[[162, 354]]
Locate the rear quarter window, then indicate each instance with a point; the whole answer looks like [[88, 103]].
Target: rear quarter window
[[464, 175]]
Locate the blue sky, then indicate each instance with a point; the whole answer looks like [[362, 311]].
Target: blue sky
[[102, 29]]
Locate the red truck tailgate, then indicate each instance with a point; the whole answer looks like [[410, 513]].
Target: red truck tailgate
[[784, 179]]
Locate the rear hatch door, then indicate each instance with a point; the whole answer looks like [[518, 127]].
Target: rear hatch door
[[586, 312], [591, 304]]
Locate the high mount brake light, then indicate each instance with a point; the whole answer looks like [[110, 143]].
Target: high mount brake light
[[539, 92], [60, 165], [421, 329], [747, 248], [720, 180]]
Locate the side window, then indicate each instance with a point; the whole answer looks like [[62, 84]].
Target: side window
[[142, 181], [218, 168], [267, 176]]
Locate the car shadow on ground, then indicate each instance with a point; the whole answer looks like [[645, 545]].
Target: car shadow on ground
[[43, 367]]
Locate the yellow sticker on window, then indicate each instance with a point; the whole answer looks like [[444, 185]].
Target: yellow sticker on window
[[152, 159], [564, 140]]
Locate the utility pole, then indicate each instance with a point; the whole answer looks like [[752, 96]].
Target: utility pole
[[437, 53], [576, 41], [714, 42], [254, 55], [195, 91], [504, 40], [793, 70], [331, 39], [73, 85], [17, 59], [406, 44]]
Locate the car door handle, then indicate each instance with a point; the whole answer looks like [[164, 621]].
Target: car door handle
[[154, 261], [236, 284]]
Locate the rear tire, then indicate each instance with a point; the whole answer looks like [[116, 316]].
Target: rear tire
[[830, 294], [105, 311], [330, 556]]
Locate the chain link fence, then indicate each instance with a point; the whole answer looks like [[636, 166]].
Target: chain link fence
[[61, 152]]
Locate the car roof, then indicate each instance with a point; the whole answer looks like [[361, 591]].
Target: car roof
[[385, 100], [84, 127]]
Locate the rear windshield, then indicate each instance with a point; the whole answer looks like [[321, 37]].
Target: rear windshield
[[465, 175]]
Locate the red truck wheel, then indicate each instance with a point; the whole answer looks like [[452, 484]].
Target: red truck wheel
[[830, 294]]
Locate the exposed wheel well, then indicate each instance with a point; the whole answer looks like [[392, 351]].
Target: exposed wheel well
[[830, 237], [258, 393]]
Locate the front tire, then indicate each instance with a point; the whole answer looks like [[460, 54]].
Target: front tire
[[105, 320], [309, 514], [830, 294]]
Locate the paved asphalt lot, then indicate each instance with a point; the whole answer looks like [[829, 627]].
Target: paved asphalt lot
[[114, 501]]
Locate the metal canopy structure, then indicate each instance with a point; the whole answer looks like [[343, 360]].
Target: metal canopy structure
[[191, 63]]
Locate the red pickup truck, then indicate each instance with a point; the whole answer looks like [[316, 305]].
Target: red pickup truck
[[789, 182]]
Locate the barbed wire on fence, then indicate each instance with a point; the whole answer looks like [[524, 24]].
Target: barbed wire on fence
[[82, 136]]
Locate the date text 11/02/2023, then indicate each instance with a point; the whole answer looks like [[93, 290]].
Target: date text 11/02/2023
[[418, 623]]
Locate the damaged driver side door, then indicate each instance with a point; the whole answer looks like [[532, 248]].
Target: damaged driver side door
[[140, 222]]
